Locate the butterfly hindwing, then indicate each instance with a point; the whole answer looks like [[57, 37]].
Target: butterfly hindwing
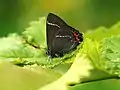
[[63, 42]]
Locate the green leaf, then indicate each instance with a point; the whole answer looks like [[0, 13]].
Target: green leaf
[[81, 71], [110, 54], [73, 75], [91, 49], [103, 32], [36, 33], [13, 47], [13, 77], [15, 50]]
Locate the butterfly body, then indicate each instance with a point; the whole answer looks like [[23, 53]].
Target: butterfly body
[[61, 38]]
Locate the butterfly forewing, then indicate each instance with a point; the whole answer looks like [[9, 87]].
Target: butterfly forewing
[[53, 24]]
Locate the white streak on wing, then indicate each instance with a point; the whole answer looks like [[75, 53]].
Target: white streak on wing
[[53, 24], [63, 36]]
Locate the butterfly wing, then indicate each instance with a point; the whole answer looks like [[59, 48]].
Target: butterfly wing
[[53, 24], [60, 36]]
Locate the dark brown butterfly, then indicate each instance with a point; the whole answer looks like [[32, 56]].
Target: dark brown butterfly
[[61, 38]]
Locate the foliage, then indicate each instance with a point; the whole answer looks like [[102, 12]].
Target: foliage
[[97, 58]]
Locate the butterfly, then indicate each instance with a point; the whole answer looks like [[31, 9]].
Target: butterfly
[[61, 38]]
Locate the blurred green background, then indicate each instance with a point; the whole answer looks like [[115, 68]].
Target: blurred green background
[[15, 16]]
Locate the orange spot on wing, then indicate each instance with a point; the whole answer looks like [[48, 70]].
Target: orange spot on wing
[[76, 36]]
